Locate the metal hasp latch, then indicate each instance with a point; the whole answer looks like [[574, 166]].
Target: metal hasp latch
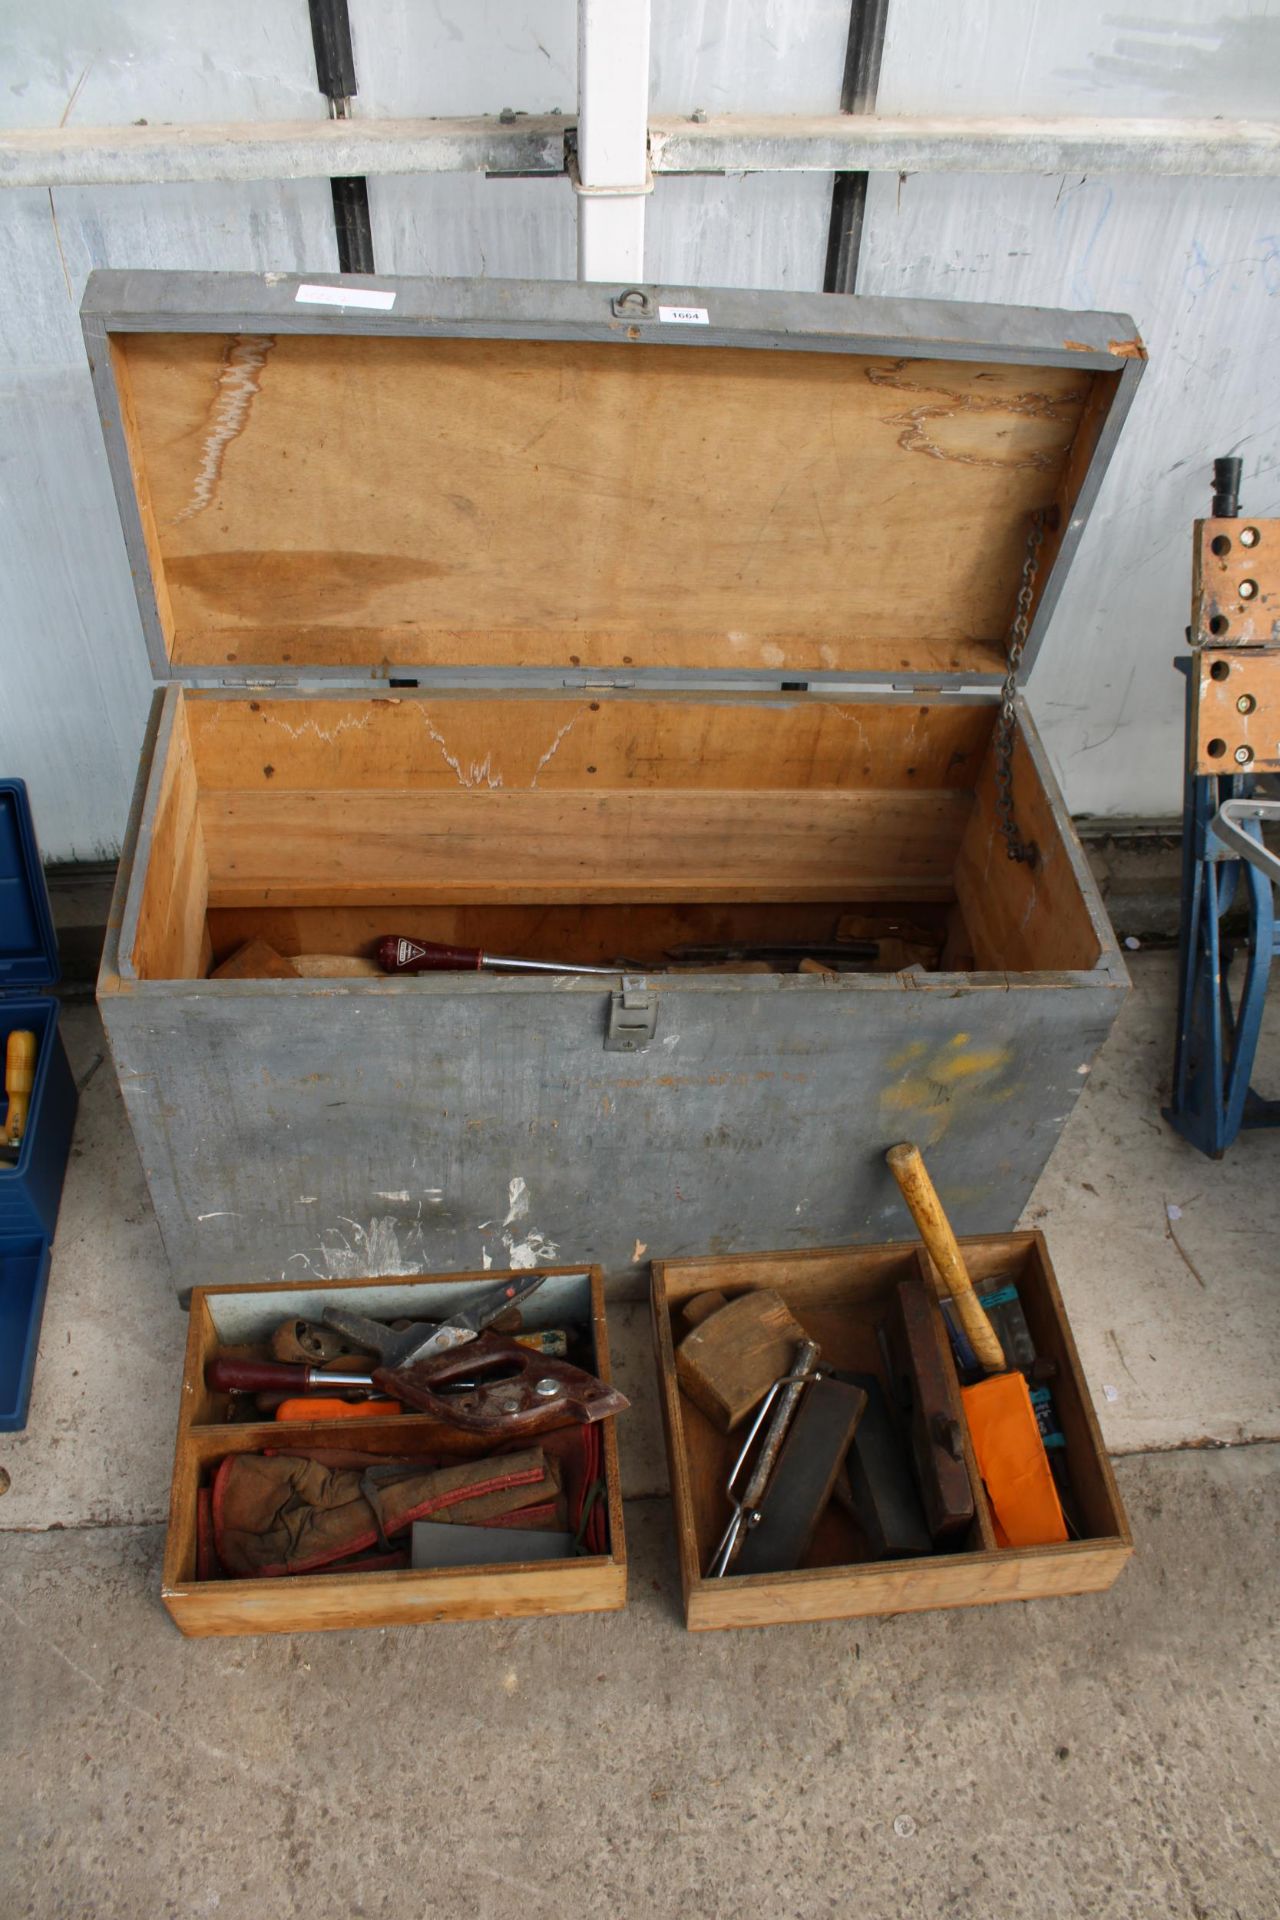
[[633, 1017], [634, 304]]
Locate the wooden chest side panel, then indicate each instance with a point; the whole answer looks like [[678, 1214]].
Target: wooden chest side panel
[[168, 936], [314, 848], [1026, 916], [511, 742], [346, 1100]]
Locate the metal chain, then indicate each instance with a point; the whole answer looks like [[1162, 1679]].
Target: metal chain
[[1017, 847]]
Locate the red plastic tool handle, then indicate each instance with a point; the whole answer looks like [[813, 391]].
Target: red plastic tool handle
[[255, 1376], [396, 954]]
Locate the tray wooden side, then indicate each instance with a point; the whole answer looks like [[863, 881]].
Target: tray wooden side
[[597, 1583], [817, 1282]]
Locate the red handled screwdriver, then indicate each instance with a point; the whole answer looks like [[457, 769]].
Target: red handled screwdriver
[[398, 955]]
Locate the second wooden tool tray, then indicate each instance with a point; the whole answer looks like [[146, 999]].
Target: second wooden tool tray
[[240, 1320], [838, 1295]]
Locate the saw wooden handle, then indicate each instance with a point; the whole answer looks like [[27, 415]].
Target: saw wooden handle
[[907, 1166]]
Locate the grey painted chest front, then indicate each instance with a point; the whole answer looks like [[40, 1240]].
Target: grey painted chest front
[[521, 618]]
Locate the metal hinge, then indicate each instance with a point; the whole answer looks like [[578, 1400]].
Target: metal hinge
[[633, 1017]]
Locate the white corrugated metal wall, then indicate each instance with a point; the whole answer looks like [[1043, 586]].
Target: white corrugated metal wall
[[1196, 262]]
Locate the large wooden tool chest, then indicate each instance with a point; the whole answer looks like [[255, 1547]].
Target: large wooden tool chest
[[529, 617]]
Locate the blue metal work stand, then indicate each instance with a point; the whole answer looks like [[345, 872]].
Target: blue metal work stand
[[1222, 854]]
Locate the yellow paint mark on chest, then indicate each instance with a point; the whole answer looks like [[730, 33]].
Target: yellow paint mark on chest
[[955, 1079]]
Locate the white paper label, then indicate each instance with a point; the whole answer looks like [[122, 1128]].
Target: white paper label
[[368, 297], [686, 316]]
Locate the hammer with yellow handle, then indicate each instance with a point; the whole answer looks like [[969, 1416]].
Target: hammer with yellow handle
[[907, 1166]]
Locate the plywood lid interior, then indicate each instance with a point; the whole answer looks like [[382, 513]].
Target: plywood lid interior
[[355, 502]]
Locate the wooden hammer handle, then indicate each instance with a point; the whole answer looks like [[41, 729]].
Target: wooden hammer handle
[[908, 1168]]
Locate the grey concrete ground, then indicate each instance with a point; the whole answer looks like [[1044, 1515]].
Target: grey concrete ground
[[1109, 1756]]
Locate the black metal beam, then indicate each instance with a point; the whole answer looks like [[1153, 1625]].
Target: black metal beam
[[336, 74], [335, 60], [353, 225], [867, 21]]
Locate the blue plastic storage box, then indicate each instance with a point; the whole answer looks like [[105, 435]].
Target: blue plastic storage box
[[31, 1191]]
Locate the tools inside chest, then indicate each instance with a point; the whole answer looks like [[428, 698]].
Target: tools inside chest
[[316, 836], [338, 1441]]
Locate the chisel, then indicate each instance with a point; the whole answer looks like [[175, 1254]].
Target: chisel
[[399, 955]]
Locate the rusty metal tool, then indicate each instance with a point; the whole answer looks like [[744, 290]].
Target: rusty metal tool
[[396, 954], [453, 1369], [396, 1349], [232, 1375], [508, 1391], [778, 1408], [493, 1386]]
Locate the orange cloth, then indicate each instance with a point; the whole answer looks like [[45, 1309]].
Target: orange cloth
[[316, 1407], [1012, 1462]]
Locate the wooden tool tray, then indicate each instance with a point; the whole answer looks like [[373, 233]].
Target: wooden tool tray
[[240, 1319], [838, 1295]]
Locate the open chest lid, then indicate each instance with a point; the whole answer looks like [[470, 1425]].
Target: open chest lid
[[548, 481], [28, 942]]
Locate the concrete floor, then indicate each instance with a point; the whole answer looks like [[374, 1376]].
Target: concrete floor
[[1108, 1756]]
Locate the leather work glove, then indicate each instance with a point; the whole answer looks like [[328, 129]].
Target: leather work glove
[[279, 1513]]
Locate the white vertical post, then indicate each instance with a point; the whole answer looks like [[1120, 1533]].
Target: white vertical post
[[613, 175]]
